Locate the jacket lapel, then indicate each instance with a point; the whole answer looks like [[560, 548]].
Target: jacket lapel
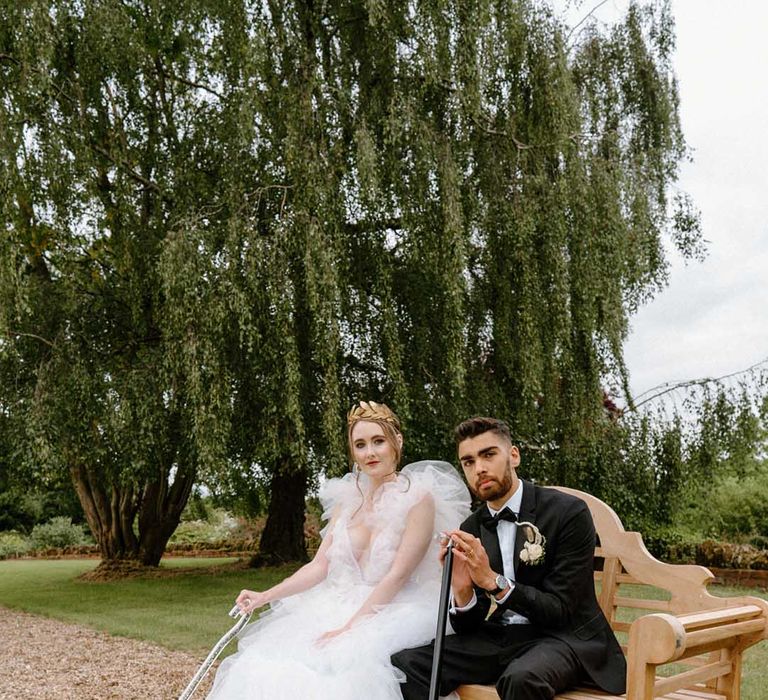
[[527, 512]]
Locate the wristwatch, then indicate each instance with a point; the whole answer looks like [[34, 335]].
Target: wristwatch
[[502, 583]]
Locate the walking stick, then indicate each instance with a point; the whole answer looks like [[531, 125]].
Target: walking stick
[[442, 616], [226, 639]]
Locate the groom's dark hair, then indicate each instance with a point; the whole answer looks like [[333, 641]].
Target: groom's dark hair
[[472, 427]]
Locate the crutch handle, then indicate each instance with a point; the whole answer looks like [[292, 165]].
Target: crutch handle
[[236, 612]]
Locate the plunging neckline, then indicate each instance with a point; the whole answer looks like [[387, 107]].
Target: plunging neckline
[[361, 519]]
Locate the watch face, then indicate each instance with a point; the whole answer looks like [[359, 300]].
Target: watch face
[[501, 582]]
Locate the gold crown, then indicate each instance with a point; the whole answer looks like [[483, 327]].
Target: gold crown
[[370, 410]]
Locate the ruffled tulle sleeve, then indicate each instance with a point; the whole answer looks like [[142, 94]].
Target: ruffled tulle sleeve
[[428, 478], [450, 494], [337, 495]]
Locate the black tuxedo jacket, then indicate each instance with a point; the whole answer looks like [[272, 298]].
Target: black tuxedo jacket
[[557, 595]]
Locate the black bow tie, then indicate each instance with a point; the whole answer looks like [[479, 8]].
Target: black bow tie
[[492, 521]]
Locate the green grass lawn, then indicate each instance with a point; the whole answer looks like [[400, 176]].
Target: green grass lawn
[[189, 611]]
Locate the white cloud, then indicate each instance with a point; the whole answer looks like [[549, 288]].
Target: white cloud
[[712, 319]]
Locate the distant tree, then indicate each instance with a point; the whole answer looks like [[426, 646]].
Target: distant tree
[[663, 466], [226, 221]]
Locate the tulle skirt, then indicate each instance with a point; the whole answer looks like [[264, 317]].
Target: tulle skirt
[[278, 657]]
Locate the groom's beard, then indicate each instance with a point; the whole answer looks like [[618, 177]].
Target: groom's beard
[[499, 489]]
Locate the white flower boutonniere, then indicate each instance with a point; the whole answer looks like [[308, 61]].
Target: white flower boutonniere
[[533, 550]]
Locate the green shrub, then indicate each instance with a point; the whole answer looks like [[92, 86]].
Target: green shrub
[[218, 526], [13, 544], [731, 556], [13, 513], [732, 508], [682, 548], [673, 545], [198, 508], [58, 532], [21, 509]]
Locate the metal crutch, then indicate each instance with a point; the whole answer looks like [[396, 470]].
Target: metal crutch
[[226, 639]]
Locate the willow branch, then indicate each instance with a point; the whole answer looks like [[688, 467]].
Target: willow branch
[[355, 363], [574, 138], [128, 169], [8, 57], [18, 334], [193, 84], [395, 224]]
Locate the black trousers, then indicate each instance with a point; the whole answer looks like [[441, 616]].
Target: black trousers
[[520, 663]]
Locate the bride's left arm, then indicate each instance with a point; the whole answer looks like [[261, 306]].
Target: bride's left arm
[[417, 536]]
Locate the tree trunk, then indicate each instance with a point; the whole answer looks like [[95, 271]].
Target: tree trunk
[[160, 513], [111, 511], [283, 537]]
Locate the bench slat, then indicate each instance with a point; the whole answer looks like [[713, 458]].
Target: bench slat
[[621, 578], [697, 694], [703, 619], [702, 638], [686, 679], [478, 692], [643, 603]]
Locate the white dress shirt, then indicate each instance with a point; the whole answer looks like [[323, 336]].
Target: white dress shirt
[[506, 532]]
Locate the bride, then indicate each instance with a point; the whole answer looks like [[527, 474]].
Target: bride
[[372, 588]]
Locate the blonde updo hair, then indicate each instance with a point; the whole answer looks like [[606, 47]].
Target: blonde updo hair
[[382, 415]]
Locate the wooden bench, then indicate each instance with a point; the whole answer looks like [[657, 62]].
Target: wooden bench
[[687, 645]]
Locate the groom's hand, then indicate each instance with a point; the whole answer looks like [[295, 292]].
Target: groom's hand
[[461, 581], [469, 553]]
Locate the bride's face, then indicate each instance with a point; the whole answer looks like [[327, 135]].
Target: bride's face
[[373, 451]]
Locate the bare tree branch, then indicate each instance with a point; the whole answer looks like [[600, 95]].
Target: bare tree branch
[[584, 19], [668, 387]]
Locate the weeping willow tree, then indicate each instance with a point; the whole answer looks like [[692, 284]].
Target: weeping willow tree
[[224, 222], [110, 132]]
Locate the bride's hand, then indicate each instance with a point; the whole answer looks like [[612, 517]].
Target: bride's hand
[[324, 639], [248, 601]]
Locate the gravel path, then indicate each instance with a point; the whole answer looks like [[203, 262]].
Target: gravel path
[[44, 658]]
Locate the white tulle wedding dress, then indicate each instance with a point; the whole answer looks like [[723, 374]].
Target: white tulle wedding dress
[[278, 657]]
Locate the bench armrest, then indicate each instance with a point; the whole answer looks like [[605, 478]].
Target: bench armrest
[[659, 638]]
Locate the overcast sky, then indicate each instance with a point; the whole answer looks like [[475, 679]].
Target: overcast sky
[[712, 320]]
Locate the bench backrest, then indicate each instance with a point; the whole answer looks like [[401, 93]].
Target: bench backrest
[[631, 582]]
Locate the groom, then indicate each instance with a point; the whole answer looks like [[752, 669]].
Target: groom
[[531, 549]]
